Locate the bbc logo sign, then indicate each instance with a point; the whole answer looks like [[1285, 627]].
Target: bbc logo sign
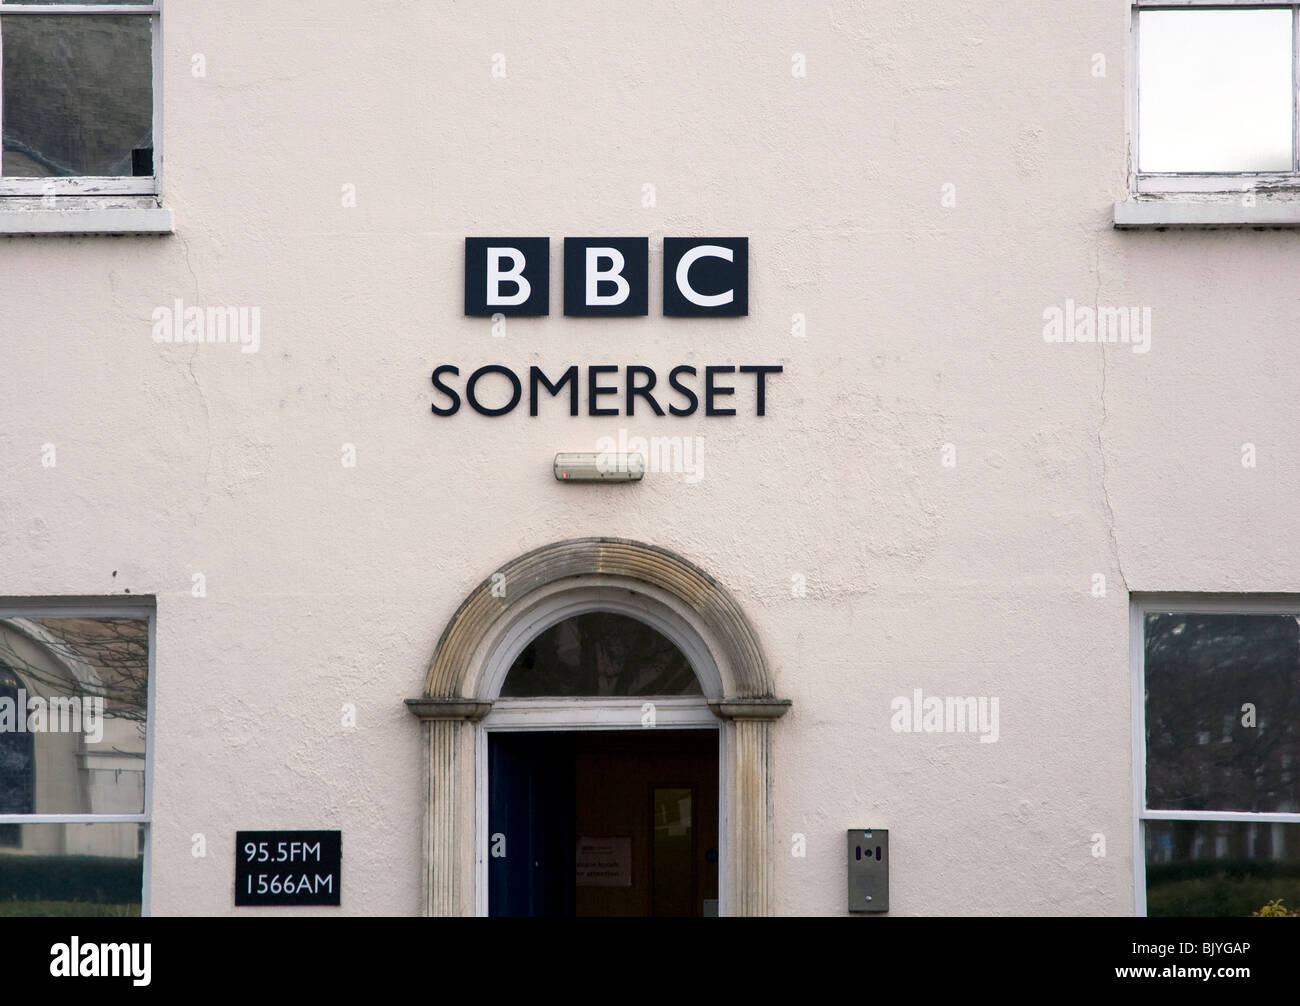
[[607, 277]]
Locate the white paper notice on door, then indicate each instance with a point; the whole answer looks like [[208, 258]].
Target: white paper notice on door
[[605, 862]]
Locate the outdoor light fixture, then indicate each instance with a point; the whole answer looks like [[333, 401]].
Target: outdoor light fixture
[[605, 466]]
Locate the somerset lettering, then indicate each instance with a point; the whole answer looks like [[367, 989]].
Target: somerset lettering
[[606, 390]]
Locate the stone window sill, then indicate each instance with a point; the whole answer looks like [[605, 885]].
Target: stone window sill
[[1228, 210], [64, 215]]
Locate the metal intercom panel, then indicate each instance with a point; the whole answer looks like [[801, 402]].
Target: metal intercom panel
[[868, 870]]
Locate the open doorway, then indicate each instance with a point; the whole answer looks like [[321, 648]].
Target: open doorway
[[603, 823]]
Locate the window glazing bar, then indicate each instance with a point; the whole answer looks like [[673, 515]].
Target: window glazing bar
[[1249, 817], [74, 8], [74, 819]]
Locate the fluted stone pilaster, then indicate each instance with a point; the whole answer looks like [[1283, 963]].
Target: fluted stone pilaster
[[749, 821], [448, 840]]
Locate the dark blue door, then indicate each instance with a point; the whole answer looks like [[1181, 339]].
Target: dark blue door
[[531, 842]]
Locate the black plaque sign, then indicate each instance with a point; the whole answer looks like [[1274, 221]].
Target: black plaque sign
[[507, 276], [606, 276], [706, 277], [288, 867]]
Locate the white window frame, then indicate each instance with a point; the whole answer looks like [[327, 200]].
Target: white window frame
[[88, 185], [1227, 604], [143, 609], [1208, 199]]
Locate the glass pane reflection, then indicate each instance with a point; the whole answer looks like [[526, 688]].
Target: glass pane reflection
[[1219, 868], [73, 870], [1223, 712], [1214, 90], [78, 95], [73, 704], [600, 653]]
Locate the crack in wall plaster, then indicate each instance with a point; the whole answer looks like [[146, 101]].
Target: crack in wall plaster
[[1101, 446], [207, 411]]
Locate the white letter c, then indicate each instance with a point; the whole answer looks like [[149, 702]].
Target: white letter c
[[684, 282]]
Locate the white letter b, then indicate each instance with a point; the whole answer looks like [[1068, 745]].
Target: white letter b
[[612, 275], [515, 275]]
